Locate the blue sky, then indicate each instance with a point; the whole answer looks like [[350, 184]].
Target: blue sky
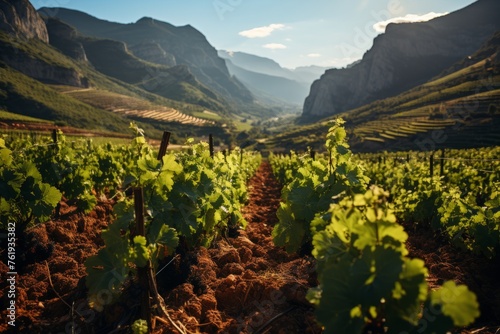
[[292, 32]]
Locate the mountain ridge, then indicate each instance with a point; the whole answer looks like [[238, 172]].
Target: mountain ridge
[[405, 56], [267, 80], [459, 108], [187, 45]]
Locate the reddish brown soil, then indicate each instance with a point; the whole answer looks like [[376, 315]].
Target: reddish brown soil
[[243, 284], [447, 263]]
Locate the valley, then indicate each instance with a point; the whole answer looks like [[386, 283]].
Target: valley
[[151, 183]]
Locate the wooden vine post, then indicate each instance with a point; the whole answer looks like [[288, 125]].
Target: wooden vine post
[[164, 144], [54, 136], [142, 272], [54, 140], [211, 145], [431, 164], [442, 163]]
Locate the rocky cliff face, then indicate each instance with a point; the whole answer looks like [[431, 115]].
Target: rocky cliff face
[[20, 18], [63, 37], [153, 52], [39, 69], [404, 57]]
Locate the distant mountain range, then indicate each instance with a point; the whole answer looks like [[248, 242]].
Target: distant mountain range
[[73, 69], [159, 43], [405, 56], [69, 67], [268, 81]]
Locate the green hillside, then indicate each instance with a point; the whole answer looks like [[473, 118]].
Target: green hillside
[[92, 106], [460, 108], [23, 95]]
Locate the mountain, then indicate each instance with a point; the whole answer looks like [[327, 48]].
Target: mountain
[[114, 59], [309, 73], [95, 84], [405, 56], [267, 80], [270, 88], [256, 64], [459, 108], [20, 18], [164, 44]]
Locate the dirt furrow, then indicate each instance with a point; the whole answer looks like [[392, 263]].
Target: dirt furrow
[[253, 286]]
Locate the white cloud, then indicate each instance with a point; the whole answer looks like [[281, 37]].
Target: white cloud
[[314, 55], [260, 32], [380, 26], [274, 46]]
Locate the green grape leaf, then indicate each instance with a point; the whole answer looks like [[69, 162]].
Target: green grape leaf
[[10, 184], [287, 233], [339, 296], [106, 272], [114, 240], [49, 197], [139, 253], [5, 156], [457, 302], [124, 213], [168, 237], [159, 232], [169, 164], [29, 169], [326, 245], [410, 291], [302, 200], [381, 267]]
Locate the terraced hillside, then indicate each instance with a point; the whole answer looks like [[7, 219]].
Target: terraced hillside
[[460, 108], [133, 107]]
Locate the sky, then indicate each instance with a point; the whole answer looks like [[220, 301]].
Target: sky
[[294, 33]]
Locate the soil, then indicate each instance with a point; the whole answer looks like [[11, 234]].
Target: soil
[[242, 284]]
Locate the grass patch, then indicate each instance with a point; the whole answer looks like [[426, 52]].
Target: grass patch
[[9, 116]]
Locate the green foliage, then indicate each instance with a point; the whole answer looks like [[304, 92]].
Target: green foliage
[[29, 97], [367, 283], [67, 168], [140, 327], [310, 185], [471, 227], [367, 280], [188, 195], [462, 204], [24, 197]]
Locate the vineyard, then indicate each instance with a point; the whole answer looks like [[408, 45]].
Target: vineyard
[[138, 239], [133, 107]]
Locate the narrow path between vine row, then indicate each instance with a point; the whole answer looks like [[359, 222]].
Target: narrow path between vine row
[[245, 284]]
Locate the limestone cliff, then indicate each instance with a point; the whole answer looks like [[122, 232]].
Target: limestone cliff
[[18, 17], [23, 26], [63, 37], [405, 56]]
